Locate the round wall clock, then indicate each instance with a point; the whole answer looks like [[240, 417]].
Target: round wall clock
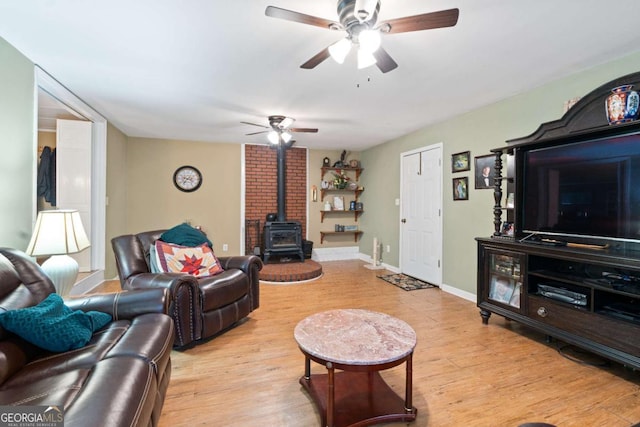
[[187, 178]]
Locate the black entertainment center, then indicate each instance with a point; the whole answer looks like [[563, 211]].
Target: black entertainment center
[[565, 254]]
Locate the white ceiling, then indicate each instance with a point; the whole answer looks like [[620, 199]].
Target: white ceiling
[[50, 109], [194, 69]]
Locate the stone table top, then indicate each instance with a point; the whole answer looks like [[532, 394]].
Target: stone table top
[[355, 337]]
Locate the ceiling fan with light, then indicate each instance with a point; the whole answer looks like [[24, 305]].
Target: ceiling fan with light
[[359, 19], [279, 129]]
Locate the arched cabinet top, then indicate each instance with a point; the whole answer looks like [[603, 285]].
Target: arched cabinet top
[[587, 116]]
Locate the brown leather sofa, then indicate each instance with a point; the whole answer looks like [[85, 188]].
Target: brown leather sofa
[[118, 379], [201, 307]]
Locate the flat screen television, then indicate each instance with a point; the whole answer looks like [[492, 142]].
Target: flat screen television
[[588, 190]]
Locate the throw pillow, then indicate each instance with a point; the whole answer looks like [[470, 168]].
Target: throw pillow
[[199, 261], [153, 259], [52, 325], [185, 235]]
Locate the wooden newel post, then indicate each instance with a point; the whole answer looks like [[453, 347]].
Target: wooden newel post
[[497, 194]]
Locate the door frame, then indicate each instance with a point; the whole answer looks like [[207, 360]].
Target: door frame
[[439, 146], [49, 84]]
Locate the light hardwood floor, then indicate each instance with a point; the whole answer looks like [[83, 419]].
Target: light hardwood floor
[[464, 373]]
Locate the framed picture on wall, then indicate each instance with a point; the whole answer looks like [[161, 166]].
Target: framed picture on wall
[[460, 162], [484, 171], [461, 188]]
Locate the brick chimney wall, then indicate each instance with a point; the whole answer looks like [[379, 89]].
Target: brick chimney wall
[[262, 186]]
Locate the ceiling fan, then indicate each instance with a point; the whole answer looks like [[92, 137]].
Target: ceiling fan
[[358, 18], [279, 129]]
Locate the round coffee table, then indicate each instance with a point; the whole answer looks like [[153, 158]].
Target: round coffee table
[[359, 343]]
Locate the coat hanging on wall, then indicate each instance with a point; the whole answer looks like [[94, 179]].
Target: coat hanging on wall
[[47, 175]]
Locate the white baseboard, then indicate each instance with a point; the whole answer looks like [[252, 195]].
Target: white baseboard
[[367, 258], [88, 283], [335, 254], [459, 293]]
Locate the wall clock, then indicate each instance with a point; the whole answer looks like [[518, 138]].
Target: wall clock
[[187, 178]]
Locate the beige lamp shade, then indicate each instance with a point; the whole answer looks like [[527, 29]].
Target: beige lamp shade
[[58, 232]]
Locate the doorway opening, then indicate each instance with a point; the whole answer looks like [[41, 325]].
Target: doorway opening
[[74, 107]]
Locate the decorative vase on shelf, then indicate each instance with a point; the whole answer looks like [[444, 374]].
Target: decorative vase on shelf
[[622, 105]]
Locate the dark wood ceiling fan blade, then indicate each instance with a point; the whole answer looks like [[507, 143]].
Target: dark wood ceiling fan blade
[[255, 124], [257, 133], [384, 61], [426, 21], [289, 15], [317, 59], [308, 130]]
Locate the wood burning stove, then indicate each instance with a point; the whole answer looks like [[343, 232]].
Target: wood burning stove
[[282, 237]]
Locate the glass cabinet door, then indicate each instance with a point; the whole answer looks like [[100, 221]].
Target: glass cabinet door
[[505, 279]]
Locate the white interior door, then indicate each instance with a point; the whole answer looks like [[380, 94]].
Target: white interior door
[[73, 176], [421, 214]]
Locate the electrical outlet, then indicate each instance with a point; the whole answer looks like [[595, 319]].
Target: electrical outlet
[[388, 248], [225, 247]]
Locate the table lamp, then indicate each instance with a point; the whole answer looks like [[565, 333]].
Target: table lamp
[[58, 233]]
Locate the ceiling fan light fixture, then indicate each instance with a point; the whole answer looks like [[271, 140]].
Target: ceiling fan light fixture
[[364, 9], [365, 59], [369, 40], [286, 136], [273, 137], [286, 122], [339, 50]]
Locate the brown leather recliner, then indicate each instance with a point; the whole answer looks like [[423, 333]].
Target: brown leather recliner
[[201, 307], [119, 378]]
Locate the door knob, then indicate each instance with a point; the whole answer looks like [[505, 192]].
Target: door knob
[[403, 220]]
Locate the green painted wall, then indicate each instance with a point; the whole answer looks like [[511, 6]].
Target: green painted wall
[[18, 147], [477, 131]]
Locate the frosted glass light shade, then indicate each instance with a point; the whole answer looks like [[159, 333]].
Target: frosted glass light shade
[[273, 137], [365, 59], [339, 50], [369, 40], [286, 136], [286, 122]]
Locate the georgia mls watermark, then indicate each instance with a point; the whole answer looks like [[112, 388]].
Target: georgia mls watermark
[[31, 416]]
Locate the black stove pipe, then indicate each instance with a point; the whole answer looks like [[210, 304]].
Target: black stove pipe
[[282, 172]]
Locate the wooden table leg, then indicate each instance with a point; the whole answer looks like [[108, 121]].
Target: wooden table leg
[[408, 405], [330, 394]]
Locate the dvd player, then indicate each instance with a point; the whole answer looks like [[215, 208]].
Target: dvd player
[[562, 294]]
